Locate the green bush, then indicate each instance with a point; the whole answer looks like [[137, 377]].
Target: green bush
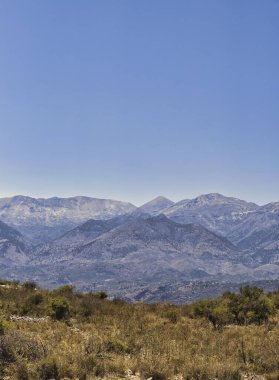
[[59, 308], [255, 306], [31, 303], [251, 305]]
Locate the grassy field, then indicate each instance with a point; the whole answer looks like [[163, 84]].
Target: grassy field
[[62, 334]]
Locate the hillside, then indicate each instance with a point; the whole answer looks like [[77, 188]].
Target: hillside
[[14, 248], [62, 334], [146, 249]]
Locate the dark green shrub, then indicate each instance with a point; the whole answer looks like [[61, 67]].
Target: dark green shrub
[[59, 308], [31, 303], [250, 306], [30, 285], [35, 299], [102, 295]]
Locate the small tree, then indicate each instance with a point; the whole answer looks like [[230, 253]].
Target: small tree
[[59, 308], [254, 305], [250, 306]]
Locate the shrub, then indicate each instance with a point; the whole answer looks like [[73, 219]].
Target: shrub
[[65, 291], [31, 303], [35, 299], [250, 306], [7, 354], [172, 316], [59, 308], [49, 370], [255, 306], [102, 295], [18, 344], [30, 285], [204, 309], [21, 372], [118, 347]]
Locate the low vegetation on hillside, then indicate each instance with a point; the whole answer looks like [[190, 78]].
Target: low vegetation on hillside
[[63, 334]]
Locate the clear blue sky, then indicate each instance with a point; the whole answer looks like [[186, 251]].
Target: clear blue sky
[[132, 99]]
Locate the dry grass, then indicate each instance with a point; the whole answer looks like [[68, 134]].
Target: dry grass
[[116, 337]]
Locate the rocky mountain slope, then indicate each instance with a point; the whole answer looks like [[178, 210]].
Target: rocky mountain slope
[[251, 227], [144, 249], [45, 219], [14, 248], [156, 206], [211, 237], [257, 227], [214, 211], [83, 234]]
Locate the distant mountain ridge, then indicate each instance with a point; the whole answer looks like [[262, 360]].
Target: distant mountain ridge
[[90, 241], [214, 211], [45, 219], [142, 248], [22, 209]]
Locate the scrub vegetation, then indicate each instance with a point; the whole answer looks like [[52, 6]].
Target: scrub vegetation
[[63, 334]]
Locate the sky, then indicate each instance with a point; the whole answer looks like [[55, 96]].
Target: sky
[[133, 99]]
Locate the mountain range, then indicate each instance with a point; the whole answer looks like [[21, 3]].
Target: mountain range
[[106, 244], [44, 219]]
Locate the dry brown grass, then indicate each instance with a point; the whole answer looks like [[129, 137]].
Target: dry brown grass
[[117, 337]]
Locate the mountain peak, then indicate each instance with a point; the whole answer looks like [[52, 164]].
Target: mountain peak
[[161, 198], [217, 199], [211, 198], [156, 205]]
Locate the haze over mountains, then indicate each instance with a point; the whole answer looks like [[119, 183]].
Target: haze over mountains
[[97, 243]]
